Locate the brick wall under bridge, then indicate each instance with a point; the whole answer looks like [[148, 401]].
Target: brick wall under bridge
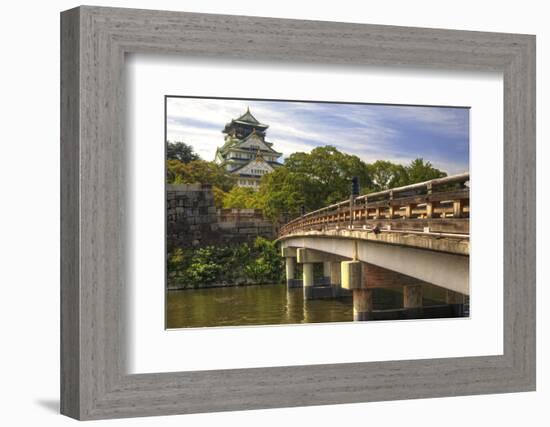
[[379, 277]]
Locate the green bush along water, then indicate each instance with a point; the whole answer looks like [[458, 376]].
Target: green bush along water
[[247, 263]]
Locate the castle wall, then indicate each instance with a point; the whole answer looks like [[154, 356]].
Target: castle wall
[[244, 225], [192, 220]]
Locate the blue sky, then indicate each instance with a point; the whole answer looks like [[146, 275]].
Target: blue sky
[[372, 132]]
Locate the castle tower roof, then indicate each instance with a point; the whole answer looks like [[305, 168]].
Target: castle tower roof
[[245, 152], [246, 119]]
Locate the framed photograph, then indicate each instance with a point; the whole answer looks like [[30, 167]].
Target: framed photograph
[[262, 213], [259, 234]]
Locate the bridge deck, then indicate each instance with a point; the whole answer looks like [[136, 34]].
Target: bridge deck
[[422, 231]]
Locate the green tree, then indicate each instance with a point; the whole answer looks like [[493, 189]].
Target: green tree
[[266, 266], [331, 172], [385, 175], [219, 195], [199, 171], [420, 171], [312, 180], [180, 151], [177, 262], [283, 192], [204, 268], [242, 198], [245, 263]]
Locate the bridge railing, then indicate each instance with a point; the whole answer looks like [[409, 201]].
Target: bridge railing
[[435, 203]]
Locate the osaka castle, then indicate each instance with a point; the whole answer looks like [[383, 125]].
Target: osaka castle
[[245, 152]]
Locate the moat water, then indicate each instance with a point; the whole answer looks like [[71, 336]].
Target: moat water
[[262, 305]]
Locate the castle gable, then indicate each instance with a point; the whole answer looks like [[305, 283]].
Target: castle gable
[[254, 142], [256, 167]]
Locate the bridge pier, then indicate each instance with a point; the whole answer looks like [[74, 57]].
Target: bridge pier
[[336, 279], [388, 262], [289, 255], [326, 271], [456, 302], [308, 280], [352, 279], [308, 258], [290, 267], [362, 304], [412, 301]]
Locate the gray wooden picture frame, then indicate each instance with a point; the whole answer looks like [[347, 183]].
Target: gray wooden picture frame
[[94, 41]]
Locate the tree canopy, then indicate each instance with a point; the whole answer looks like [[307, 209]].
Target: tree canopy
[[180, 151], [385, 175], [283, 192], [328, 173], [419, 171], [199, 171], [323, 177], [312, 180], [241, 197]]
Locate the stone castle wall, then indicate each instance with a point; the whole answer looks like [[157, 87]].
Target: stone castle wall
[[238, 225], [192, 219]]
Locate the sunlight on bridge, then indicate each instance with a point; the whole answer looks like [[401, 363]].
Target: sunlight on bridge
[[419, 232]]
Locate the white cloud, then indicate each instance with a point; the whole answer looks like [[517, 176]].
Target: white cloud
[[446, 120]]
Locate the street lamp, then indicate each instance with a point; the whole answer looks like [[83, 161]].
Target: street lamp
[[354, 194], [354, 186]]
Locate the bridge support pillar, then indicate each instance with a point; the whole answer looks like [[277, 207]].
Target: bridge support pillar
[[290, 255], [412, 301], [290, 267], [326, 269], [336, 278], [362, 304], [352, 279], [308, 280], [308, 258], [456, 301]]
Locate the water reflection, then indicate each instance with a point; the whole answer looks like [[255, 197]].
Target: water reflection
[[251, 305], [269, 305]]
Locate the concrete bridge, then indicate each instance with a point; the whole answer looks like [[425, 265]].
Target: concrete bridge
[[413, 238]]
